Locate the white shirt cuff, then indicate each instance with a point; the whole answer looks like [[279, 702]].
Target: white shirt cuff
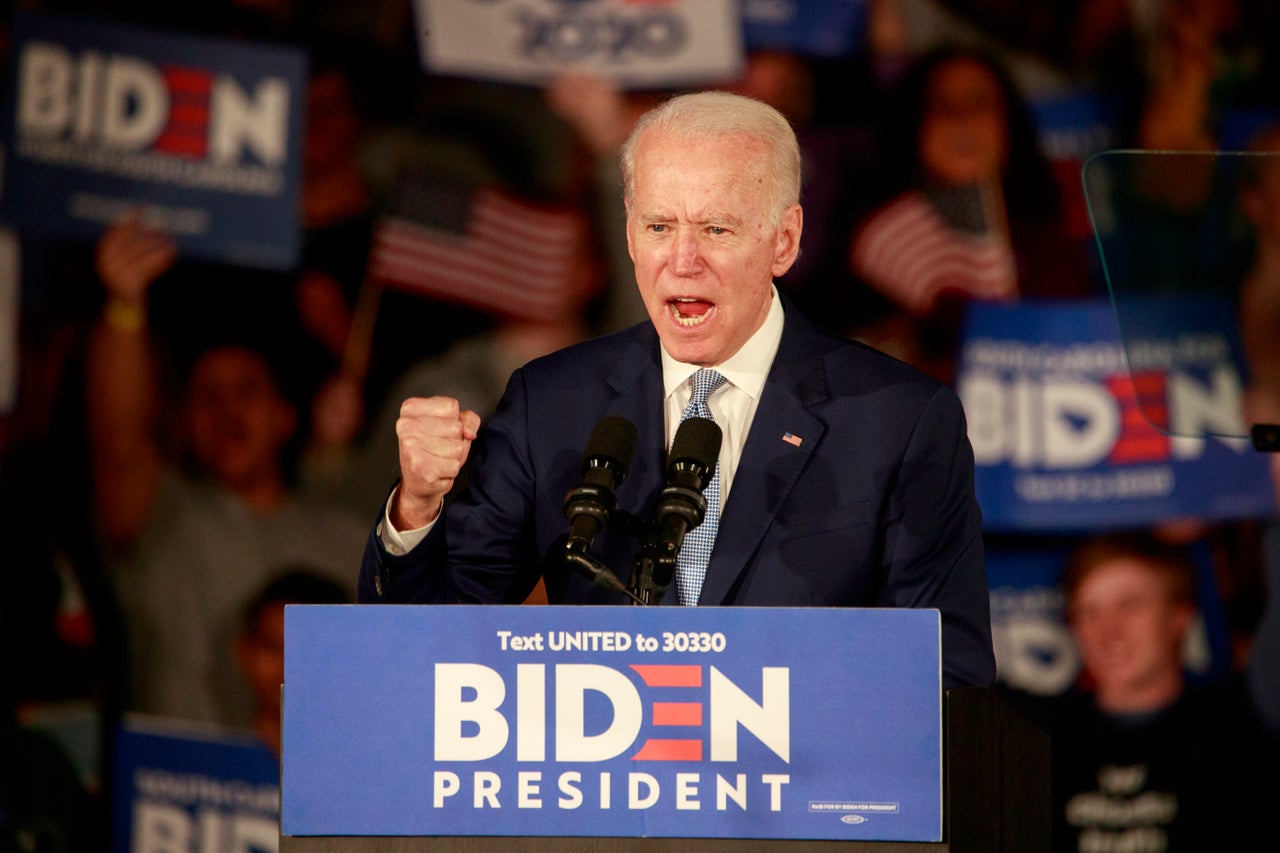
[[399, 542]]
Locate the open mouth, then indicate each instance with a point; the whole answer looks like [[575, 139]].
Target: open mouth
[[689, 311]]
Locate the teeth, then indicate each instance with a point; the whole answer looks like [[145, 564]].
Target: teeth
[[688, 321]]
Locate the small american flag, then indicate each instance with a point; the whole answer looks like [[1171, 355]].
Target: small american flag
[[910, 252], [792, 438], [477, 245]]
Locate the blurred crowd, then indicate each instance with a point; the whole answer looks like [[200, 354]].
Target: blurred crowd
[[193, 444]]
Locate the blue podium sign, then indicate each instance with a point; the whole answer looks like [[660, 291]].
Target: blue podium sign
[[612, 721]]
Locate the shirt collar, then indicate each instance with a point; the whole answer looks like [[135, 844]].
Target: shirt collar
[[747, 368]]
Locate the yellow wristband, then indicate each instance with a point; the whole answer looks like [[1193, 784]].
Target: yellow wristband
[[124, 315]]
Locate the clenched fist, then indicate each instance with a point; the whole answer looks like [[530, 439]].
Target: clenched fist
[[435, 437]]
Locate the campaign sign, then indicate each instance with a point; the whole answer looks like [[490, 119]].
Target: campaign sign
[[828, 29], [1069, 434], [1070, 128], [1034, 648], [202, 136], [182, 787], [618, 722], [638, 43]]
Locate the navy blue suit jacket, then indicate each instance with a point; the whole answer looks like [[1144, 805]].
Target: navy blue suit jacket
[[874, 508]]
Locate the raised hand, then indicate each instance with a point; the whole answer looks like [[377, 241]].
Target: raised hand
[[435, 437]]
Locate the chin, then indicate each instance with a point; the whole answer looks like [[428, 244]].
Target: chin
[[692, 354]]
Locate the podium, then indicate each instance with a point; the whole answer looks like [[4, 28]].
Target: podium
[[981, 769]]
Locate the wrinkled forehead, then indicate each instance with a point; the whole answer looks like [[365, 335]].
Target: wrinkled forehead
[[733, 160]]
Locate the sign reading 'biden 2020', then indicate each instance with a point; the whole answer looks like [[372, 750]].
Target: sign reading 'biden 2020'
[[612, 721], [637, 43], [202, 136]]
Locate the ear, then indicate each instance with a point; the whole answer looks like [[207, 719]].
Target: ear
[[1184, 617], [788, 240]]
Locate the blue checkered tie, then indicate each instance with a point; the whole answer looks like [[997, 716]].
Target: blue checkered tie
[[695, 553]]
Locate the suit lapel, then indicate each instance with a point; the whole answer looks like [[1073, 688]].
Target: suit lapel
[[636, 380], [770, 465]]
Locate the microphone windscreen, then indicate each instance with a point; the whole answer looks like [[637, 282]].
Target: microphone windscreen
[[615, 438], [697, 440]]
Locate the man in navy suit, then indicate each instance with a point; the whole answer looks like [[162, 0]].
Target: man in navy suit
[[845, 477]]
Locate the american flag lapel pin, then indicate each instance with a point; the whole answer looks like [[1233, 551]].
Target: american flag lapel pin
[[792, 439]]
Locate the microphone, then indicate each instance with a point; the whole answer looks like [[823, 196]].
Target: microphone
[[681, 504], [604, 466]]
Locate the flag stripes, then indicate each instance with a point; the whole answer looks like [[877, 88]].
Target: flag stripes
[[511, 257], [909, 252]]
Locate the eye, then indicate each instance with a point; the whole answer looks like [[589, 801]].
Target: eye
[[717, 229], [657, 227]]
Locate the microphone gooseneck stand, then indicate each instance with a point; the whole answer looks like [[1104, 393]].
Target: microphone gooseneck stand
[[592, 506]]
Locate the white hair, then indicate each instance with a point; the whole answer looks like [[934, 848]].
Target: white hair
[[703, 115]]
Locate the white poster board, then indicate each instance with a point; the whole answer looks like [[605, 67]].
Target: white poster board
[[637, 43]]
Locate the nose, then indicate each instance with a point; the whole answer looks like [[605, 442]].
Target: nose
[[686, 259]]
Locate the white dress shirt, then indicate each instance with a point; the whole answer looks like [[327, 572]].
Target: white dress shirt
[[733, 406]]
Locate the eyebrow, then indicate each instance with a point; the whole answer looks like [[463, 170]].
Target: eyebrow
[[717, 219]]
